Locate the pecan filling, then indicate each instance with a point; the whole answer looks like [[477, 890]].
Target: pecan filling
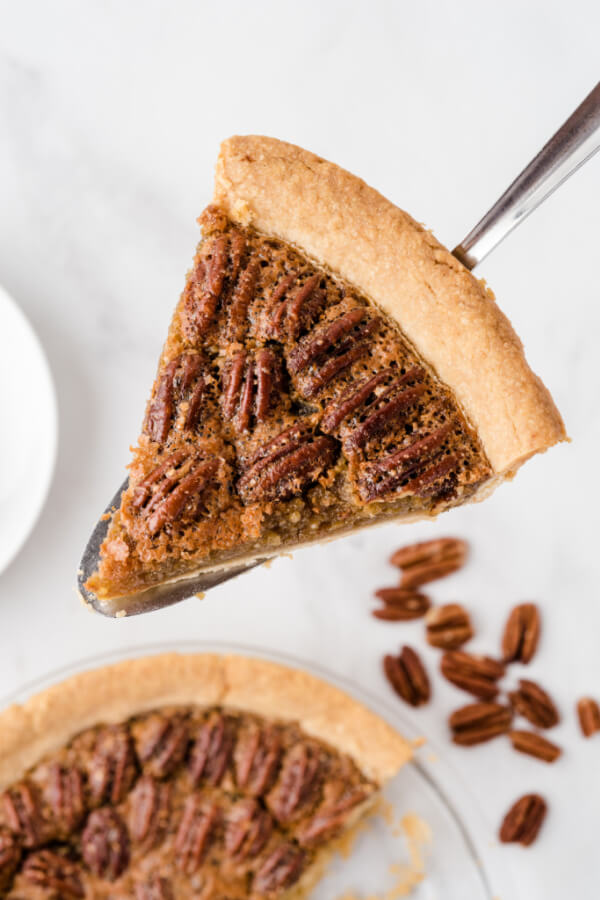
[[280, 382], [180, 802]]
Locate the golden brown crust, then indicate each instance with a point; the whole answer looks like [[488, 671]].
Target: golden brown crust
[[49, 720], [450, 317]]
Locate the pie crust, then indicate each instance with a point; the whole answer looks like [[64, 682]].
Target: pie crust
[[451, 317], [112, 694]]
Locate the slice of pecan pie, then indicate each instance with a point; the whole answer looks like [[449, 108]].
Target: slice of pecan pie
[[181, 776], [329, 365]]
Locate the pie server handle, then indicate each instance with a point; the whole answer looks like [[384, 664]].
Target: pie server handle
[[572, 145]]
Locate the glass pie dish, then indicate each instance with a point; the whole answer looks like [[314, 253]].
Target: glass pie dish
[[429, 839]]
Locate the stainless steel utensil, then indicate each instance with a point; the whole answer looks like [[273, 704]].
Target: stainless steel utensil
[[572, 145]]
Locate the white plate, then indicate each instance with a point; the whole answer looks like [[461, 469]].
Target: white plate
[[464, 860], [28, 418]]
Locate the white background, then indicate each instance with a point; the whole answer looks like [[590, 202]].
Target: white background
[[110, 118]]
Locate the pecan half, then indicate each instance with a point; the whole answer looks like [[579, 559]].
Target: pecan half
[[535, 745], [429, 560], [389, 406], [54, 873], [174, 488], [401, 605], [149, 811], [413, 469], [588, 712], [331, 818], [112, 768], [105, 844], [292, 310], [354, 399], [242, 296], [10, 856], [64, 793], [182, 381], [298, 784], [281, 868], [475, 674], [321, 339], [535, 704], [256, 758], [523, 821], [250, 387], [195, 831], [154, 888], [408, 677], [161, 742], [479, 722], [287, 464], [247, 830], [448, 626], [348, 351], [23, 813], [211, 750], [205, 286], [521, 634]]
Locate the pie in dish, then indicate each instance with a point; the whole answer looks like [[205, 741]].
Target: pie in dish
[[329, 365], [175, 776]]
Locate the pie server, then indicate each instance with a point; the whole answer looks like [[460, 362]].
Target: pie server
[[572, 145]]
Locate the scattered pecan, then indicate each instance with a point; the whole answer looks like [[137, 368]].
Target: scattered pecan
[[112, 769], [401, 605], [149, 811], [521, 634], [181, 381], [23, 813], [331, 817], [479, 722], [297, 786], [173, 488], [532, 702], [54, 873], [65, 795], [105, 844], [475, 674], [161, 742], [287, 464], [408, 677], [10, 856], [588, 712], [535, 745], [321, 339], [196, 829], [250, 387], [247, 830], [154, 888], [211, 750], [256, 758], [448, 627], [523, 820], [281, 868], [429, 560]]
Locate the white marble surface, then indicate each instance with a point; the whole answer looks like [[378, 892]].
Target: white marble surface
[[110, 117]]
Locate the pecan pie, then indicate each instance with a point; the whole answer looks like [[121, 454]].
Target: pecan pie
[[185, 776], [329, 365]]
